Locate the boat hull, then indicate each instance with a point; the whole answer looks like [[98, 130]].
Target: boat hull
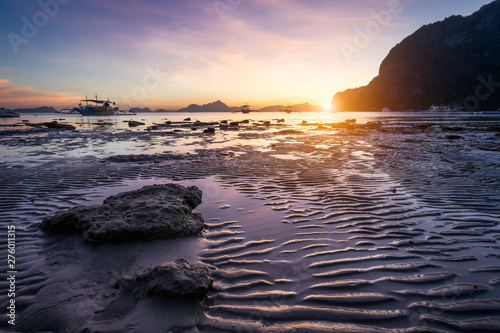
[[89, 112]]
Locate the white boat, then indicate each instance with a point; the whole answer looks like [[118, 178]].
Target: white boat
[[8, 113]]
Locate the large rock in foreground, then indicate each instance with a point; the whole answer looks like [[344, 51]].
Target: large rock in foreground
[[175, 279], [153, 212]]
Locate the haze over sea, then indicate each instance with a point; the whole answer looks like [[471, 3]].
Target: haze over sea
[[389, 223]]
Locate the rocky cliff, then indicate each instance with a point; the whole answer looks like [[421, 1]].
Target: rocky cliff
[[455, 61]]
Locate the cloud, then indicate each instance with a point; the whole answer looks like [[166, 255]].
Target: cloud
[[14, 96]]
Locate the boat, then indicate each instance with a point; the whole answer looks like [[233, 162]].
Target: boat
[[386, 109], [288, 109], [97, 107], [8, 113], [245, 108]]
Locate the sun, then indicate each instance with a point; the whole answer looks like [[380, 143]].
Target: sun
[[327, 106]]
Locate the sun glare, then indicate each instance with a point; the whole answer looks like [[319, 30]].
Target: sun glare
[[327, 106]]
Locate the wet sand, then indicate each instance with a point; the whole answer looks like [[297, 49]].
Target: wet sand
[[385, 227]]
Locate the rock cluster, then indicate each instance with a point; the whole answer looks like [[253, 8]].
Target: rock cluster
[[153, 212]]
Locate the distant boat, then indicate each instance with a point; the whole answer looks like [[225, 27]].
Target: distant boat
[[97, 107], [8, 113], [442, 107], [386, 109], [245, 108], [288, 109]]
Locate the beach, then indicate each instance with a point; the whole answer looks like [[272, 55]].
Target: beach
[[388, 223]]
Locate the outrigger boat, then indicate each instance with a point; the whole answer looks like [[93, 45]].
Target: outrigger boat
[[97, 107], [245, 108]]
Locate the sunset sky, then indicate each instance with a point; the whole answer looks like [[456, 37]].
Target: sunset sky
[[170, 53]]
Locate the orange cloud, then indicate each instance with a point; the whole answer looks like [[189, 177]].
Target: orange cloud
[[15, 96]]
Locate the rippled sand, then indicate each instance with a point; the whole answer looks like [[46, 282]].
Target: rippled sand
[[389, 227]]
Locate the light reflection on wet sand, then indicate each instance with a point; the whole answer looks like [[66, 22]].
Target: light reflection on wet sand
[[359, 230]]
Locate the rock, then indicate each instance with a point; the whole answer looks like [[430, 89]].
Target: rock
[[452, 129], [175, 279], [453, 137], [133, 123], [493, 128], [350, 121], [234, 123], [55, 124], [209, 130], [153, 212], [490, 146], [187, 119]]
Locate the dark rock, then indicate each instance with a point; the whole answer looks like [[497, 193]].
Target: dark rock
[[492, 128], [350, 121], [490, 146], [453, 129], [133, 123], [210, 130], [267, 123], [280, 121], [175, 279], [246, 121], [453, 137], [103, 123], [187, 119], [153, 212], [289, 132], [56, 125], [234, 123]]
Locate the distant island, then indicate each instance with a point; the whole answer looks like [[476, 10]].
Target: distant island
[[216, 106], [42, 109], [454, 62]]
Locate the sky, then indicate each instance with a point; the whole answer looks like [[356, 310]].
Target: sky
[[172, 53]]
